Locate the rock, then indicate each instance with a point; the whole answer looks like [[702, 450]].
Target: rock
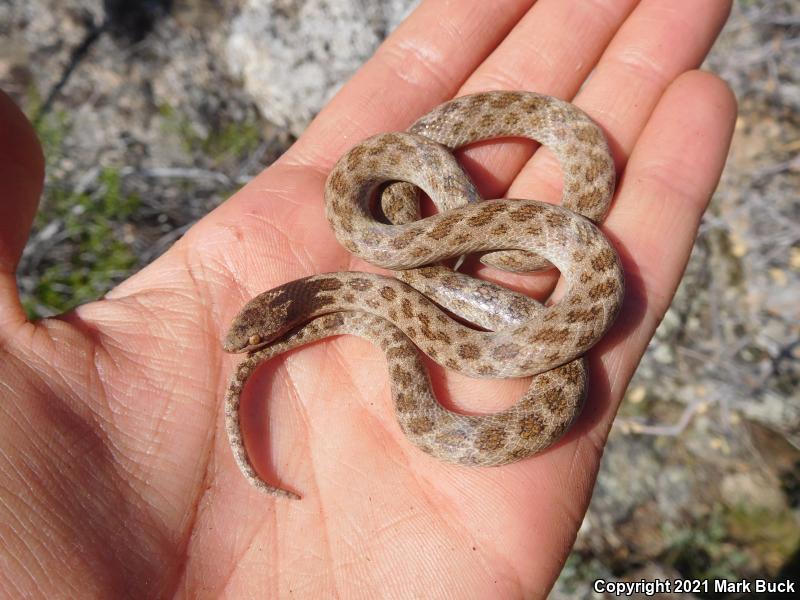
[[293, 55], [754, 490]]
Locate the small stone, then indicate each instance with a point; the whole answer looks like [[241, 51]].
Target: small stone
[[794, 259], [778, 276], [738, 245], [663, 354], [637, 394], [753, 490]]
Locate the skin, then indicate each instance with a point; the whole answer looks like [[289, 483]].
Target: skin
[[115, 474]]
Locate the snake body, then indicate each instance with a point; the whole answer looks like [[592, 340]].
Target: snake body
[[507, 334]]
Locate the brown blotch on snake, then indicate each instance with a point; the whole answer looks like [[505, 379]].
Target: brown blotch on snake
[[388, 293]]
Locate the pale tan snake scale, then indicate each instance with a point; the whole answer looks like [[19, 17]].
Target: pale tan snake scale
[[512, 335]]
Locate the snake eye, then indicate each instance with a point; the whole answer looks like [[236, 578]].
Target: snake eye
[[254, 339]]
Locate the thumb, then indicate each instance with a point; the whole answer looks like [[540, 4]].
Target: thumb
[[21, 181]]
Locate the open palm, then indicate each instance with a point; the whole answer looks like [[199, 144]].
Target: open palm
[[115, 472]]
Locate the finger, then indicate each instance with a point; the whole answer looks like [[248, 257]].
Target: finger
[[551, 51], [21, 180], [654, 46], [671, 175], [538, 55], [420, 65]]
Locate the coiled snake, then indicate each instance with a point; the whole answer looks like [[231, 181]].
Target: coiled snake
[[508, 334]]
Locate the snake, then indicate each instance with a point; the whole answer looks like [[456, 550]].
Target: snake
[[472, 326]]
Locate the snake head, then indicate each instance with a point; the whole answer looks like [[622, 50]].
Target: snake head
[[261, 320], [274, 312]]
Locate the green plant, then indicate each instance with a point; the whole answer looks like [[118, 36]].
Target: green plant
[[225, 142], [733, 543], [92, 256]]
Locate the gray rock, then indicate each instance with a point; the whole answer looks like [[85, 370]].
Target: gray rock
[[293, 55], [753, 490]]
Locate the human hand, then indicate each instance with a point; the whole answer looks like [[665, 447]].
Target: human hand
[[115, 471]]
